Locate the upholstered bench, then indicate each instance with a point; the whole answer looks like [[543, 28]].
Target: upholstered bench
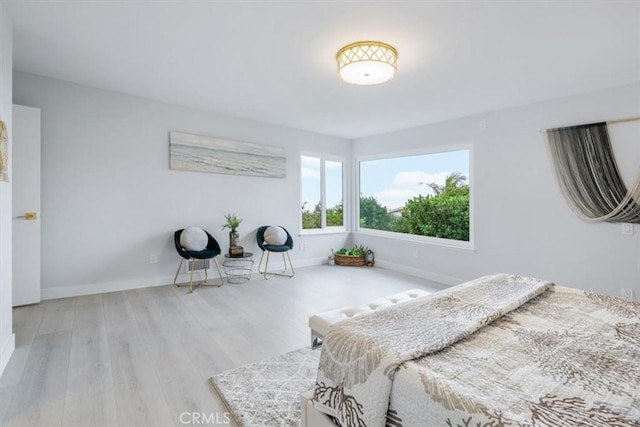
[[320, 323]]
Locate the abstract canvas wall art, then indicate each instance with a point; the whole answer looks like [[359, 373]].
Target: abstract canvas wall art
[[198, 153]]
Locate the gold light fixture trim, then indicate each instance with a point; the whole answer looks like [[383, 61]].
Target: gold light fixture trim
[[367, 62]]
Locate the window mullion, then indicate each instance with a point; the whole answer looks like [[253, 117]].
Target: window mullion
[[323, 195]]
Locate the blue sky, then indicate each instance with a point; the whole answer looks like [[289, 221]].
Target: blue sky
[[394, 181], [311, 182], [391, 181]]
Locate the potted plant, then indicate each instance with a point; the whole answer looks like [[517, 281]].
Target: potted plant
[[233, 222], [354, 256]]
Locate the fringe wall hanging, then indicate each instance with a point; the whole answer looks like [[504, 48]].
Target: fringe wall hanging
[[588, 174]]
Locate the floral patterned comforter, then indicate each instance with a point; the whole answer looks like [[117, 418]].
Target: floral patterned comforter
[[554, 357], [566, 358], [360, 356]]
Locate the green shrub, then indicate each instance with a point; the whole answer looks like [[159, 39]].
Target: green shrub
[[441, 216]]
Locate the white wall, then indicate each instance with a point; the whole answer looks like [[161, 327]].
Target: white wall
[[522, 223], [7, 340], [109, 199]]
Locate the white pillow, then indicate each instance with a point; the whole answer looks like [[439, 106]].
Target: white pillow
[[194, 239], [275, 236]]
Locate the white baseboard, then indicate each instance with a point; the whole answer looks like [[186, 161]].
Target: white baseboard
[[423, 274], [7, 351], [99, 288], [309, 262], [124, 285]]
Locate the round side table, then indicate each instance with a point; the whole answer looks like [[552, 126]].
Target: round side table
[[238, 269]]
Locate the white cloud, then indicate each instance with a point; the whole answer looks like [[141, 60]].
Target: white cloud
[[309, 172], [312, 162], [310, 205], [406, 185], [310, 167]]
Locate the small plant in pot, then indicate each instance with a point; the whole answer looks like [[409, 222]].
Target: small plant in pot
[[354, 256], [232, 223]]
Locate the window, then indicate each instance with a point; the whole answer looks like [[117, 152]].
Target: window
[[423, 195], [322, 185]]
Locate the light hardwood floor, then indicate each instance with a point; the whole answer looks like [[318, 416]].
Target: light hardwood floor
[[142, 357]]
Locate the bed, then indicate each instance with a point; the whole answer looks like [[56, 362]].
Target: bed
[[499, 351]]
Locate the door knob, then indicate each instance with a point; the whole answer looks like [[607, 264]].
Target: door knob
[[29, 216]]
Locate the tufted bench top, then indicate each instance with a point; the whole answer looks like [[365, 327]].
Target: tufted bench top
[[320, 323]]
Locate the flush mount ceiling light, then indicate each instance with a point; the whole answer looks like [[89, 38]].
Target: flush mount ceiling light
[[367, 63]]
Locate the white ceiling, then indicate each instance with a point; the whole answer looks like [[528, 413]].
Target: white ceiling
[[274, 61]]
